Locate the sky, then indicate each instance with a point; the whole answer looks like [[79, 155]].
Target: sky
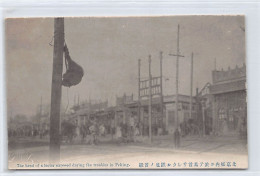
[[108, 49]]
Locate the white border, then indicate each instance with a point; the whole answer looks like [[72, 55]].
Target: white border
[[250, 9]]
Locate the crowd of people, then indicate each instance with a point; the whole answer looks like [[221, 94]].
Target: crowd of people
[[27, 131], [93, 130]]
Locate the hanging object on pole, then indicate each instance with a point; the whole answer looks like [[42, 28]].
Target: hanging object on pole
[[74, 72]]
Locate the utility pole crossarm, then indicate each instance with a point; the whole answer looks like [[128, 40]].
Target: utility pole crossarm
[[176, 55]]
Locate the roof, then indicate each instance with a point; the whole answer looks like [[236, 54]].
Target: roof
[[204, 90], [228, 87]]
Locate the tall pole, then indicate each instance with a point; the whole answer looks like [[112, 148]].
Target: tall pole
[[215, 64], [177, 79], [41, 107], [78, 99], [203, 117], [150, 100], [56, 90], [161, 83], [139, 98], [40, 124], [11, 114], [139, 77], [191, 84]]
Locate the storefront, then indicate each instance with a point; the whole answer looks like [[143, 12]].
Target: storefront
[[229, 102]]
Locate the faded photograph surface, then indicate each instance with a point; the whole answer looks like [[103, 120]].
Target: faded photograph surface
[[162, 92]]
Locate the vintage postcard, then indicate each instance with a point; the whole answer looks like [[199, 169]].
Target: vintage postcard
[[154, 92]]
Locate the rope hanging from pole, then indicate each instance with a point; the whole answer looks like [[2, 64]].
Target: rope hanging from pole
[[74, 72]]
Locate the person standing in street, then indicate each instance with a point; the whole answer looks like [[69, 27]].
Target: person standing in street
[[177, 137]]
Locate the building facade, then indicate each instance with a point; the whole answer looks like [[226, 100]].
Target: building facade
[[183, 111], [229, 105], [126, 112], [168, 122]]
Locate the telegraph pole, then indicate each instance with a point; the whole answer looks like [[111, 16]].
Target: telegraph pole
[[78, 99], [139, 98], [177, 77], [41, 107], [40, 114], [191, 84], [139, 77], [161, 75], [215, 64], [150, 100], [56, 90], [203, 117]]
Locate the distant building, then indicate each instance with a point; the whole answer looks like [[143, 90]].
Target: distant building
[[125, 99], [168, 120], [89, 111], [229, 105], [125, 108], [183, 111], [126, 112]]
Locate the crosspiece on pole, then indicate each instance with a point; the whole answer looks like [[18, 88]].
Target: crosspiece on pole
[[176, 55]]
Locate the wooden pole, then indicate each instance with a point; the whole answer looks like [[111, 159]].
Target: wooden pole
[[139, 77], [177, 80], [139, 98], [161, 83], [56, 90], [191, 84], [203, 118], [150, 100], [215, 64], [40, 116], [78, 99], [41, 107]]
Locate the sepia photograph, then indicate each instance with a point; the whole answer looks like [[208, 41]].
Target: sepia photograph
[[130, 92]]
